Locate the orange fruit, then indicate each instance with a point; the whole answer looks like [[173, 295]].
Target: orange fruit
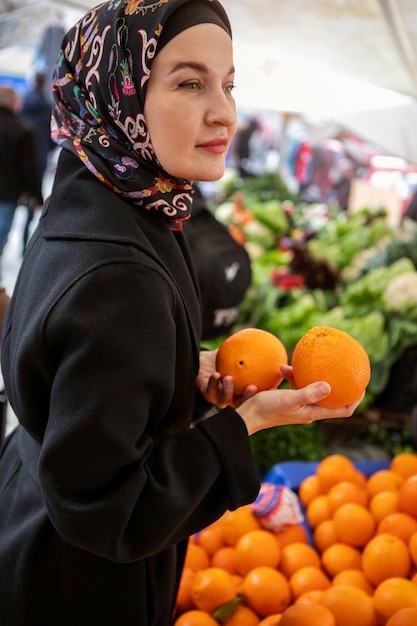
[[212, 587], [392, 595], [242, 616], [412, 546], [291, 534], [405, 464], [210, 538], [354, 524], [184, 600], [238, 580], [330, 354], [196, 557], [385, 556], [309, 489], [407, 496], [334, 469], [309, 597], [359, 478], [383, 503], [383, 480], [195, 618], [346, 492], [354, 578], [324, 535], [297, 555], [266, 591], [399, 524], [349, 605], [271, 620], [236, 523], [403, 617], [307, 615], [225, 558], [308, 578], [339, 557], [256, 548], [253, 357], [318, 510]]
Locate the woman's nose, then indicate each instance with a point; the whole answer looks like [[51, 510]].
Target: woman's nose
[[222, 109]]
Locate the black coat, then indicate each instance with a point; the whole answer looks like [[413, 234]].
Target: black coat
[[18, 159], [103, 481]]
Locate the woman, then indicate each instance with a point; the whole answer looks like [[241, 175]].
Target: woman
[[103, 481]]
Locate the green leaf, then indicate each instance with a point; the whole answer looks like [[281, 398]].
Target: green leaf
[[225, 611]]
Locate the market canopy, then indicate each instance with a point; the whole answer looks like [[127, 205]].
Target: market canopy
[[353, 62]]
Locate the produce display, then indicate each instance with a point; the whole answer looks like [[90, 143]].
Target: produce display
[[315, 265], [353, 560]]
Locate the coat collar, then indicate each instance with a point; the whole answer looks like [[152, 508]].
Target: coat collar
[[82, 208]]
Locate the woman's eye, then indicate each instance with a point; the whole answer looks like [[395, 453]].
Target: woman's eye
[[229, 88], [192, 85]]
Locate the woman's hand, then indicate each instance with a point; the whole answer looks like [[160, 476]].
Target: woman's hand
[[216, 390], [266, 409], [291, 406]]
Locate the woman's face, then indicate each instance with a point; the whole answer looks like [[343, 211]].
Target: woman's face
[[189, 108]]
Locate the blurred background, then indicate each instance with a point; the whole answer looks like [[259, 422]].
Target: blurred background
[[308, 70]]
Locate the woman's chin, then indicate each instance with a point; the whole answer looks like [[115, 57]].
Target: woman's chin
[[210, 174]]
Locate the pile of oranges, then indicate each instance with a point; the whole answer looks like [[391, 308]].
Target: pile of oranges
[[359, 567]]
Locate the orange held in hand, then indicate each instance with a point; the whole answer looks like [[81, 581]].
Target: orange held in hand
[[329, 354], [253, 357]]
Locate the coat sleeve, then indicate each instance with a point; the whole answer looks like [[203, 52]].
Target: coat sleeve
[[118, 478]]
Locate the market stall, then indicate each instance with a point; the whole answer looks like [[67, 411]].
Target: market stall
[[318, 265]]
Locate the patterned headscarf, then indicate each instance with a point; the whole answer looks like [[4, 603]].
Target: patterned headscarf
[[99, 89]]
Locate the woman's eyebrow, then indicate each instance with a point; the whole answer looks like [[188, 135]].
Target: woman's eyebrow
[[199, 67]]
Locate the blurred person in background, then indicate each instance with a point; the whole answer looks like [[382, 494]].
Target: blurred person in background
[[341, 176], [411, 210], [19, 177], [241, 146], [36, 110]]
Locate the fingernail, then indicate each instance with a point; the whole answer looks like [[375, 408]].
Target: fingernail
[[324, 389]]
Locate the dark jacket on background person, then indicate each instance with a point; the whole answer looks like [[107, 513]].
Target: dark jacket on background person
[[36, 110], [411, 210], [4, 303], [116, 525], [18, 160]]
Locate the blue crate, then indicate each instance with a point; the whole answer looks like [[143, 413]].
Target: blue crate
[[292, 473]]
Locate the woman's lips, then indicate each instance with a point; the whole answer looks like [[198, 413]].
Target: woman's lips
[[217, 146]]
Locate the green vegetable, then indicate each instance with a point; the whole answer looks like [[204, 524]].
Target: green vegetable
[[271, 215], [287, 443]]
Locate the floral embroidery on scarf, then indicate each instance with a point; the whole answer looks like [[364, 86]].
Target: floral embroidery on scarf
[[128, 87]]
